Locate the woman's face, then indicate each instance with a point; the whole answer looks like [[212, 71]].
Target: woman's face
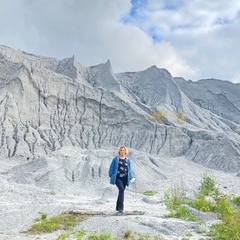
[[122, 151]]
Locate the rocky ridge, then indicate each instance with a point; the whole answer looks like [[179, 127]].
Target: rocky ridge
[[61, 123], [47, 104]]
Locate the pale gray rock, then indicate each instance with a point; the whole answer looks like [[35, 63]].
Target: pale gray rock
[[220, 97], [47, 104], [61, 124], [203, 216]]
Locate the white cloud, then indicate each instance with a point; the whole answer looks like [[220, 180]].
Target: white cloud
[[203, 33], [198, 39]]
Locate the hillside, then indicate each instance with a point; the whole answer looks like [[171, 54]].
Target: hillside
[[61, 123]]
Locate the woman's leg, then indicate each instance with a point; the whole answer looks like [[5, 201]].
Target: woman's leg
[[120, 183]]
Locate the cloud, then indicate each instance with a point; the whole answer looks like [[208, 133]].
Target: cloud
[[203, 33], [192, 40]]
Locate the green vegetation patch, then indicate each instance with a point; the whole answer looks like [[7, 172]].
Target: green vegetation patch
[[60, 222], [101, 236], [175, 196], [228, 229], [208, 199], [236, 200], [148, 193], [208, 188]]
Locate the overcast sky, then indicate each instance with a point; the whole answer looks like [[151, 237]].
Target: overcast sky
[[193, 39]]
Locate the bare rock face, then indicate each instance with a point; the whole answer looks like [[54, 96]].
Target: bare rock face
[[61, 125], [219, 97], [46, 104]]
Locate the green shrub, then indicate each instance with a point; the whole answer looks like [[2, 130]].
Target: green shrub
[[236, 200], [202, 204], [228, 229], [223, 207], [175, 196], [208, 188]]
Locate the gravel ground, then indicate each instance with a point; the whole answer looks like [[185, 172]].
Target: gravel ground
[[21, 204]]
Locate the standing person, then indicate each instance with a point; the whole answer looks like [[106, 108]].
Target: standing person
[[120, 173]]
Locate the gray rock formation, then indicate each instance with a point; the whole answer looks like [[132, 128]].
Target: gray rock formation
[[219, 97], [47, 104], [61, 123]]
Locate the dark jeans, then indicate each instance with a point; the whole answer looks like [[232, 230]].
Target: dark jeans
[[121, 185]]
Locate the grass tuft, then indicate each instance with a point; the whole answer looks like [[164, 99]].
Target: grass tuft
[[101, 236], [148, 193]]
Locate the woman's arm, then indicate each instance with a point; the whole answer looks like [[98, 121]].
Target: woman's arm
[[130, 169], [111, 168]]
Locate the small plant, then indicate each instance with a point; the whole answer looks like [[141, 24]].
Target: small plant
[[159, 116], [208, 188], [102, 236], [148, 193], [127, 234], [207, 196], [224, 208], [236, 201], [80, 234], [175, 196], [63, 236], [44, 216]]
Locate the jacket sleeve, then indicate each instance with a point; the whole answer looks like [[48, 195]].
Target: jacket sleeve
[[130, 169], [111, 168], [130, 175]]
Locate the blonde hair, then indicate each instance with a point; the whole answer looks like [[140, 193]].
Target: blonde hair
[[126, 150]]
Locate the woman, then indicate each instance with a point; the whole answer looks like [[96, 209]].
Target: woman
[[120, 173]]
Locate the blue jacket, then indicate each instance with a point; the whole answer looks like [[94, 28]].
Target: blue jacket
[[113, 169]]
